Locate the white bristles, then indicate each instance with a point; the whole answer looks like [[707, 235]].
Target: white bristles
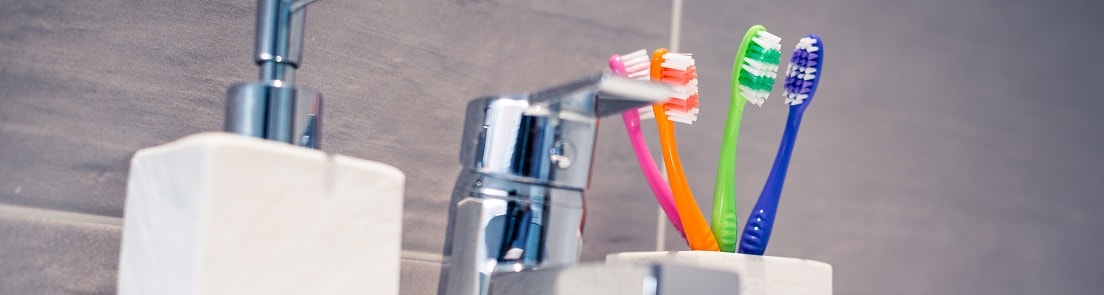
[[795, 99], [759, 68], [679, 92], [767, 44], [807, 44], [769, 37], [677, 61], [636, 73], [684, 92], [646, 112], [683, 117], [639, 65], [754, 97], [768, 40], [636, 57]]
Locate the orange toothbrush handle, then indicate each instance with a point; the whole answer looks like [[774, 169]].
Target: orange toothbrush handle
[[698, 233]]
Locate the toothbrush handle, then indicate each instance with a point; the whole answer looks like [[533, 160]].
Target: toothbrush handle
[[757, 229], [724, 192], [698, 233], [659, 186]]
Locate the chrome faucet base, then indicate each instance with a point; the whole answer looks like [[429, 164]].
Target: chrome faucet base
[[518, 204], [509, 227]]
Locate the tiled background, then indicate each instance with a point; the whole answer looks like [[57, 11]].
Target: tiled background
[[954, 146]]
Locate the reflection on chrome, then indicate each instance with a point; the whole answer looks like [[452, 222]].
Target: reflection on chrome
[[518, 203]]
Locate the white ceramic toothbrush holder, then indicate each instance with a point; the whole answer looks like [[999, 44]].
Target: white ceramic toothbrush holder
[[758, 275]]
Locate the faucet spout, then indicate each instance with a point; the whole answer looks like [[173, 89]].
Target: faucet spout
[[600, 95]]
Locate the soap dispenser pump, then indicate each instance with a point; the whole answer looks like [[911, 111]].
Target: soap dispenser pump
[[274, 107], [518, 202]]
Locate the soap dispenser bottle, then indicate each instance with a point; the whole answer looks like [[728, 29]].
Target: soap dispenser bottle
[[518, 202]]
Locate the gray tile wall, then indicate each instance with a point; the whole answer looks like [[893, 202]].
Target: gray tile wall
[[953, 147], [50, 255]]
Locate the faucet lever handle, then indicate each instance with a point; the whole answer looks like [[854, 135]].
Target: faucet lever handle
[[600, 95], [619, 94]]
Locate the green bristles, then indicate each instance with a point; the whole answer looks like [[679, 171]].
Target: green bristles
[[757, 81]]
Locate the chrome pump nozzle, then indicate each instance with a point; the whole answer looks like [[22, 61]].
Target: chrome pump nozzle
[[275, 108]]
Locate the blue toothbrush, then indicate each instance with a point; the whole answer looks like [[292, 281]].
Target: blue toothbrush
[[802, 76]]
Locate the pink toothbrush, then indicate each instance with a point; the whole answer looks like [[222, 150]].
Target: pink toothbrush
[[638, 62]]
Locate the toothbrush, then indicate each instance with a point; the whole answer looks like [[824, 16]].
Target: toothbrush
[[753, 72], [678, 70], [802, 77], [638, 62]]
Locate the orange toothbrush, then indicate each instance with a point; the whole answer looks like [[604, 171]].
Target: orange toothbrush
[[681, 107]]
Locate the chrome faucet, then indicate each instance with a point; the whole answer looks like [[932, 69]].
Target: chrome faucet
[[274, 107], [518, 203]]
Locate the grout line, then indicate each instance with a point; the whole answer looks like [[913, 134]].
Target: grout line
[[676, 28], [661, 231], [31, 212], [422, 256], [676, 25], [14, 210]]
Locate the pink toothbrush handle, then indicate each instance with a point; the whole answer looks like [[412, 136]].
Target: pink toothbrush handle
[[660, 188]]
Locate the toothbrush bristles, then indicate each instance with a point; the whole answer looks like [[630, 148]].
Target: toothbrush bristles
[[680, 72], [759, 67], [802, 72], [638, 64]]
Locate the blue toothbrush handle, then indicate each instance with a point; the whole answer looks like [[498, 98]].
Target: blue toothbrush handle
[[757, 229]]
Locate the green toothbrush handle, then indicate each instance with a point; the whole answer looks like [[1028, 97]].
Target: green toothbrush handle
[[724, 224]]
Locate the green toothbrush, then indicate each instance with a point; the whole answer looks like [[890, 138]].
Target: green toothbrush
[[753, 73]]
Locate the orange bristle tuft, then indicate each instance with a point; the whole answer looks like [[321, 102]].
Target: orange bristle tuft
[[678, 77], [682, 105]]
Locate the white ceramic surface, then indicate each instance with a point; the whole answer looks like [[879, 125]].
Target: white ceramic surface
[[759, 275], [218, 213]]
